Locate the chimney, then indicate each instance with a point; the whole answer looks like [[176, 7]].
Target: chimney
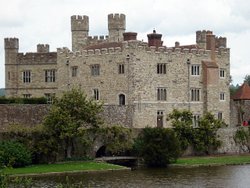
[[129, 36], [210, 38], [154, 39]]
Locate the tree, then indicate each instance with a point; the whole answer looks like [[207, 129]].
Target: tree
[[182, 124], [205, 137], [69, 113], [157, 146], [247, 79]]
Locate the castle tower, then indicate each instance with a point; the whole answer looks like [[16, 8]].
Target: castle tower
[[201, 38], [42, 48], [11, 46], [80, 31], [116, 27]]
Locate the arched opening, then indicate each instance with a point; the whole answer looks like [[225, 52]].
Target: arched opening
[[101, 152], [121, 99]]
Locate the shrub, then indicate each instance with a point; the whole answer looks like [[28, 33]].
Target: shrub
[[157, 146], [14, 154]]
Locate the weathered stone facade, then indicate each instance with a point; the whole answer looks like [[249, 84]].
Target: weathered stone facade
[[152, 78]]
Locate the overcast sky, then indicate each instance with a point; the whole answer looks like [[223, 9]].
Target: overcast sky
[[48, 22]]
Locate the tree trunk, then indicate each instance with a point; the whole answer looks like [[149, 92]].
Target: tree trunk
[[68, 148]]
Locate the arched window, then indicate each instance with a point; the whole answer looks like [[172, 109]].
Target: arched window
[[121, 99]]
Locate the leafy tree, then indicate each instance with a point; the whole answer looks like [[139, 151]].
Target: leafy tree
[[157, 146], [14, 154], [70, 113], [233, 89], [205, 136], [182, 124], [247, 79]]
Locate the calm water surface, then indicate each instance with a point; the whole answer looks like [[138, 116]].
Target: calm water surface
[[221, 176]]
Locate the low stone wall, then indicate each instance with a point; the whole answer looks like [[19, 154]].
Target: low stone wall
[[33, 114], [234, 112]]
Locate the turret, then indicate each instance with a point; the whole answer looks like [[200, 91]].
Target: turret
[[154, 39], [80, 31], [116, 27], [42, 48], [201, 38], [11, 46]]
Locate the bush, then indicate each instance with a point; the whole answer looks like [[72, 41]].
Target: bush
[[157, 146], [41, 100], [14, 154]]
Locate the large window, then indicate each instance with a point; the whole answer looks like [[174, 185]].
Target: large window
[[161, 94], [26, 76], [195, 94], [121, 69], [74, 71], [222, 73], [95, 70], [161, 68], [121, 99], [50, 75], [195, 70], [96, 94]]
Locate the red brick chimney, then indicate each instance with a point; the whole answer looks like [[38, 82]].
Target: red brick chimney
[[129, 36], [154, 39]]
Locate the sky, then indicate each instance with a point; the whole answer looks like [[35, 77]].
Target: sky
[[48, 22]]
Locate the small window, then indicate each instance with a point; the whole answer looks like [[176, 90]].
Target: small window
[[8, 75], [195, 94], [222, 96], [49, 97], [222, 73], [220, 115], [195, 70], [95, 70], [26, 96], [196, 119], [161, 68], [26, 76], [121, 69], [161, 94], [50, 75], [121, 99], [96, 94], [74, 71]]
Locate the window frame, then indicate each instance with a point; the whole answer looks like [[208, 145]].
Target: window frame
[[122, 99], [195, 70], [222, 96], [161, 68], [96, 94], [26, 76], [50, 75], [121, 68], [161, 94], [95, 69], [74, 71], [222, 73], [195, 94]]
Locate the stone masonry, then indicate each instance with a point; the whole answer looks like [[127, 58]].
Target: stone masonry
[[149, 77]]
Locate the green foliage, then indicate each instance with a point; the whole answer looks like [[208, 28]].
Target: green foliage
[[40, 100], [205, 136], [117, 139], [14, 154], [233, 89], [242, 137], [157, 146], [247, 79], [182, 124], [70, 113]]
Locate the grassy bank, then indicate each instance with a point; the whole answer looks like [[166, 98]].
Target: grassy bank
[[62, 168], [213, 160]]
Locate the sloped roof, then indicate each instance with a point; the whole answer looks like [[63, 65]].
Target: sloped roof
[[243, 93]]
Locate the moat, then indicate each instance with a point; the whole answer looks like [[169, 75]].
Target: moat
[[216, 176]]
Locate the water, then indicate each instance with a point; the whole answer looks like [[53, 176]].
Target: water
[[220, 176]]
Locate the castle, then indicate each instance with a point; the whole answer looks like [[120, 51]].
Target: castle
[[120, 70]]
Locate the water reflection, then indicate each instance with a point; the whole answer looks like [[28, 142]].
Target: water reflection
[[221, 176]]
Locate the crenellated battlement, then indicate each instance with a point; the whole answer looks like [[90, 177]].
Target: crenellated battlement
[[42, 48], [37, 58], [11, 43], [79, 23], [116, 21]]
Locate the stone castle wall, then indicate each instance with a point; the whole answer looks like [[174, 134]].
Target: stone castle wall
[[33, 114]]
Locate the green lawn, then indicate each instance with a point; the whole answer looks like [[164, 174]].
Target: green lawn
[[213, 160], [62, 167]]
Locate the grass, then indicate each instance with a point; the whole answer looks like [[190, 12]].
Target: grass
[[213, 160], [62, 168]]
